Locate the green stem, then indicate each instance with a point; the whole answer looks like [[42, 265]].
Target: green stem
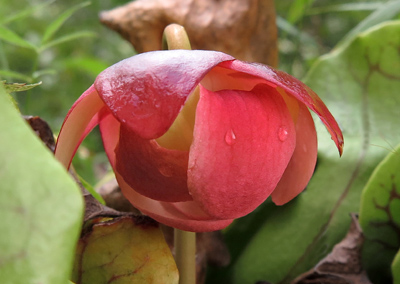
[[185, 256]]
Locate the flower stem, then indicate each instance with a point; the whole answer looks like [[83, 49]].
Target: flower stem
[[185, 256]]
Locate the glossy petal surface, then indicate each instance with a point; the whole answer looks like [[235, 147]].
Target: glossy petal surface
[[167, 214], [302, 164], [242, 144], [295, 88], [147, 91], [153, 171], [183, 215], [109, 129], [80, 120]]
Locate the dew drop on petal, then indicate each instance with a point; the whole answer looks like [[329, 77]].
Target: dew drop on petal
[[282, 134], [230, 137]]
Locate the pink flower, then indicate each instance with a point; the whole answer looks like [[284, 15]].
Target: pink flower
[[196, 162]]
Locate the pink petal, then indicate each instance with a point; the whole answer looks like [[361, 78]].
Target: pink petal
[[147, 91], [153, 171], [182, 215], [80, 120], [167, 214], [302, 164], [243, 142], [295, 88], [109, 129]]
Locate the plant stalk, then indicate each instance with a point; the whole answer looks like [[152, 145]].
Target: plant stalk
[[185, 255]]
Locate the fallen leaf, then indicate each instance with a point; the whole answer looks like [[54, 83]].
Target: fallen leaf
[[244, 29], [343, 264]]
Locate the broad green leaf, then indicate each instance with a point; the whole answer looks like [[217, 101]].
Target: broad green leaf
[[360, 85], [396, 268], [11, 37], [41, 208], [380, 218], [53, 27], [73, 36], [19, 87], [15, 75], [386, 12], [124, 250]]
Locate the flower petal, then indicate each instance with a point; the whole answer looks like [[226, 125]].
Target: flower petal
[[109, 130], [302, 164], [80, 120], [153, 171], [295, 88], [183, 215], [166, 213], [243, 142], [147, 91]]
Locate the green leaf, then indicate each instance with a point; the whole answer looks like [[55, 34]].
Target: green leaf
[[42, 72], [124, 250], [396, 268], [11, 37], [380, 218], [386, 12], [73, 36], [345, 7], [91, 190], [298, 9], [19, 87], [288, 28], [53, 27], [41, 207], [20, 14], [15, 75], [360, 85], [90, 65]]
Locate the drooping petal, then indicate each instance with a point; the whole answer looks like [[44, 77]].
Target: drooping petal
[[183, 215], [109, 130], [153, 171], [243, 142], [302, 164], [296, 89], [167, 214], [80, 120], [147, 91]]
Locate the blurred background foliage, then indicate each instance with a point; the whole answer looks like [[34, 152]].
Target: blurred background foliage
[[63, 44]]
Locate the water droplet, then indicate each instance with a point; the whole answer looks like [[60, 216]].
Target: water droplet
[[282, 134], [230, 137]]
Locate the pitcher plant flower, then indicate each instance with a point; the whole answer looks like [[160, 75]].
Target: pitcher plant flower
[[198, 138]]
